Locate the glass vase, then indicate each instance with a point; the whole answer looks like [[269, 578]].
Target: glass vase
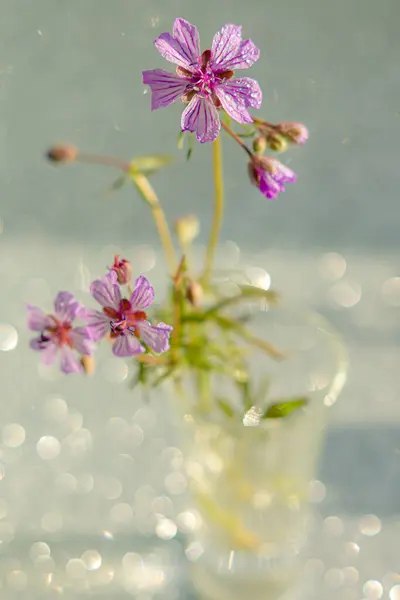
[[249, 476]]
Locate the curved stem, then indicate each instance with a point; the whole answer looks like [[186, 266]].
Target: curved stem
[[237, 139], [148, 194], [218, 209]]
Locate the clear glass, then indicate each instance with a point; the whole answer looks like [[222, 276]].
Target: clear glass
[[249, 478]]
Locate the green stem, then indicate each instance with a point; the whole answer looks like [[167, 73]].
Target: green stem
[[148, 194], [218, 209]]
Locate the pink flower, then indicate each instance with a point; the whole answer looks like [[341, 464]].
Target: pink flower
[[123, 269], [57, 333], [205, 80], [125, 320], [269, 175]]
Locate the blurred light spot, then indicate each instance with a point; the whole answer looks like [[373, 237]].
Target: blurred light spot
[[332, 266], [55, 409], [258, 277], [394, 593], [108, 535], [66, 482], [145, 417], [163, 505], [51, 521], [166, 529], [316, 491], [154, 21], [188, 521], [315, 567], [131, 561], [333, 526], [44, 564], [346, 294], [13, 435], [333, 578], [173, 457], [194, 551], [17, 580], [262, 499], [76, 568], [351, 575], [316, 382], [175, 483], [84, 483], [48, 447], [136, 435], [351, 550], [145, 258], [117, 427], [80, 441], [370, 525], [39, 549], [115, 370], [121, 513], [390, 578], [214, 462], [74, 420], [391, 291], [8, 337], [111, 488], [372, 589], [92, 560]]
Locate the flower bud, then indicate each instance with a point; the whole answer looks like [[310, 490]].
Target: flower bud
[[297, 133], [187, 229], [259, 144], [123, 269], [62, 153], [276, 142], [89, 364], [194, 293]]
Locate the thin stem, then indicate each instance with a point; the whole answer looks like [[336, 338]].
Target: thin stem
[[107, 161], [218, 208], [148, 194], [237, 139]]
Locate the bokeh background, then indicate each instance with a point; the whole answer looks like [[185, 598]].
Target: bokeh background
[[86, 465]]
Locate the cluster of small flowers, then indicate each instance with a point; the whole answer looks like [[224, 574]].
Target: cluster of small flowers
[[206, 83], [121, 319]]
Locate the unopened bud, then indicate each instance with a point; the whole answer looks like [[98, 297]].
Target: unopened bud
[[259, 144], [187, 229], [123, 269], [62, 153], [297, 133], [89, 364], [194, 293], [276, 142]]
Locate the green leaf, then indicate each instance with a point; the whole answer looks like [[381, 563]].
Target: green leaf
[[284, 409], [118, 183], [181, 139], [225, 407], [149, 164]]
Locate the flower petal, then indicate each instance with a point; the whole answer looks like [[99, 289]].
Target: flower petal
[[165, 87], [69, 362], [48, 350], [106, 291], [182, 48], [236, 94], [201, 116], [65, 306], [188, 37], [143, 294], [98, 324], [155, 336], [37, 319], [81, 341], [127, 345], [268, 186], [229, 52]]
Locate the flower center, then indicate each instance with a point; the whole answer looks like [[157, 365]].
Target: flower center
[[59, 334], [125, 320], [204, 80]]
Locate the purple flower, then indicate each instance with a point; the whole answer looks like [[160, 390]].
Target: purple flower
[[57, 333], [125, 320], [205, 81], [269, 175]]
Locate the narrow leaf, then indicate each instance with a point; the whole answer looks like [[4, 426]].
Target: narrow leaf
[[284, 409], [149, 164]]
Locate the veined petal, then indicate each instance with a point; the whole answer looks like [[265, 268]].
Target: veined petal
[[106, 291], [127, 345], [229, 52], [65, 306], [165, 87], [49, 353], [37, 319], [155, 336], [81, 341], [98, 324], [188, 37], [236, 94], [69, 362], [176, 51], [201, 116], [268, 186], [143, 294]]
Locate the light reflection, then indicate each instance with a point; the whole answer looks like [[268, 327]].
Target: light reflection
[[370, 525], [332, 266], [346, 294]]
